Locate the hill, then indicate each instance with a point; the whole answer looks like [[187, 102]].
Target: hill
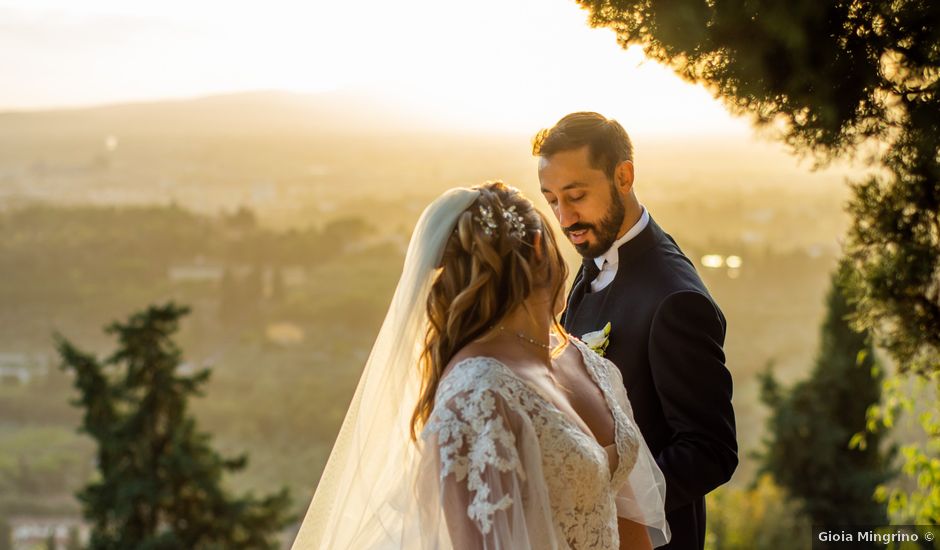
[[246, 113]]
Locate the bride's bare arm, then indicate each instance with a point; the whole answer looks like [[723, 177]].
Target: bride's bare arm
[[633, 536]]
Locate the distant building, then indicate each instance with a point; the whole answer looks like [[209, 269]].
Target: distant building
[[21, 368], [29, 533], [199, 270]]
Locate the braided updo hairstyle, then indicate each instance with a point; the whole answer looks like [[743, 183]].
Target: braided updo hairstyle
[[486, 271]]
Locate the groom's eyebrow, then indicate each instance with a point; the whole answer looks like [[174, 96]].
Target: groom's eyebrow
[[572, 185]]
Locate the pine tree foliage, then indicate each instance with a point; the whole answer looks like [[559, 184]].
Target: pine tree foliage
[[160, 483]]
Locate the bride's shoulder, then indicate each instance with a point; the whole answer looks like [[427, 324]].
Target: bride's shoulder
[[473, 370], [472, 391], [482, 368]]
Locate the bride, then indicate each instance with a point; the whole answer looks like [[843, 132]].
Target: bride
[[478, 423]]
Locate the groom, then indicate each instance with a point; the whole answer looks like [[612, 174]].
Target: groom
[[666, 331]]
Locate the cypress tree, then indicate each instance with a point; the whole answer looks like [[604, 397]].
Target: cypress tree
[[160, 483], [811, 426]]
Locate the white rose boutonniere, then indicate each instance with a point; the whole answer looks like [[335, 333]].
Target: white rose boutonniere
[[598, 339]]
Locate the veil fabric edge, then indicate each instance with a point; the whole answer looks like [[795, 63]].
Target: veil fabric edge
[[354, 499]]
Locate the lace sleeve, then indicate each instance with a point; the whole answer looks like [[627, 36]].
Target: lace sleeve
[[489, 489], [642, 499]]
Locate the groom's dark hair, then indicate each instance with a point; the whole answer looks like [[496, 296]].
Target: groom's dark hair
[[607, 141]]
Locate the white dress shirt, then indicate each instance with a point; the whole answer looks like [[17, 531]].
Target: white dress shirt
[[608, 261]]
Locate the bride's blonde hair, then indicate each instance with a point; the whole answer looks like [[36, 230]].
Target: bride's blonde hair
[[488, 268]]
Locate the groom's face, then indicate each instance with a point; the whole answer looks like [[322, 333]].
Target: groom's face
[[584, 200]]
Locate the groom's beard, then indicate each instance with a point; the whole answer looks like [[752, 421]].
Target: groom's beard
[[604, 231]]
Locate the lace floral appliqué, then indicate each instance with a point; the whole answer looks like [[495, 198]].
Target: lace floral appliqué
[[472, 437]]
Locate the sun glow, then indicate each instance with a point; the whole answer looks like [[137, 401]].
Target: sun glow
[[494, 65]]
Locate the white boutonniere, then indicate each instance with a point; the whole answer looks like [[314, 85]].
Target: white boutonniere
[[598, 339]]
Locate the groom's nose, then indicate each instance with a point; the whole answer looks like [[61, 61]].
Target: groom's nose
[[566, 215]]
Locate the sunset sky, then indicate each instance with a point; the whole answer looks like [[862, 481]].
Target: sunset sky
[[503, 65]]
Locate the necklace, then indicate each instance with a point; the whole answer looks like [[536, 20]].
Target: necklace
[[525, 337]]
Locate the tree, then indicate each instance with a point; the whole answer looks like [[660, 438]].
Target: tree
[[831, 77], [160, 483], [842, 78], [811, 426], [346, 230], [242, 219]]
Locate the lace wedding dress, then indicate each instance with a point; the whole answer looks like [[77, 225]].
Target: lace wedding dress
[[514, 471]]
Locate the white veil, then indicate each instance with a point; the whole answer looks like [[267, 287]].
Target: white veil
[[358, 502]]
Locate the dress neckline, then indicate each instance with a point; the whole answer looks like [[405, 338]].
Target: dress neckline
[[553, 408]]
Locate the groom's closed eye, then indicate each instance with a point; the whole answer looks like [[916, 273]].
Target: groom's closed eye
[[553, 202]]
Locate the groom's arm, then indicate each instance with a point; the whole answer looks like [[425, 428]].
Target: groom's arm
[[694, 387]]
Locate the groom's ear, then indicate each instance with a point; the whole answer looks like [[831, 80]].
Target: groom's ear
[[623, 176]]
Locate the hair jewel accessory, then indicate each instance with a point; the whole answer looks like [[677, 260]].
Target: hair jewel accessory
[[487, 222], [515, 221]]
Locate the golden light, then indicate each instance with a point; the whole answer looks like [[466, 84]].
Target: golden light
[[713, 261], [734, 262], [494, 66]]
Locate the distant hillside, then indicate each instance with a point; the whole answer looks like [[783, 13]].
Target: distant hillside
[[249, 113]]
